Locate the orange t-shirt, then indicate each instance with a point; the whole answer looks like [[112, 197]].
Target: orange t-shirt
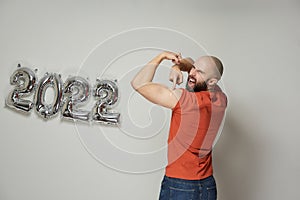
[[195, 122]]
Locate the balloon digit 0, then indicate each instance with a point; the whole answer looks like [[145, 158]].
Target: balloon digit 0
[[24, 79], [49, 80], [76, 91]]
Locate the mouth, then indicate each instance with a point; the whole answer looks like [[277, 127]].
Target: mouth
[[191, 81]]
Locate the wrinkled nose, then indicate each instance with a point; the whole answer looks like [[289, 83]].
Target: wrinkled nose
[[192, 72]]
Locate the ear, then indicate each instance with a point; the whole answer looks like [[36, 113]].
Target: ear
[[212, 82]]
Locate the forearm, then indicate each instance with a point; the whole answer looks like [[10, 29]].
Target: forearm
[[146, 74], [185, 65]]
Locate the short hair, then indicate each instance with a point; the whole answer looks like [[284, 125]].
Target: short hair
[[218, 64]]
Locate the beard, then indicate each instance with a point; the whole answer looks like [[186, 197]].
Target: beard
[[202, 86]]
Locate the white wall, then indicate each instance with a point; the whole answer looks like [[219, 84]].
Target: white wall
[[257, 156]]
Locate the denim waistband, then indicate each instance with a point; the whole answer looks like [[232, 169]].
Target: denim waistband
[[192, 182]]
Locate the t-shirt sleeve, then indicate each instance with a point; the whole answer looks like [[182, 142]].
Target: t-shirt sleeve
[[188, 101]]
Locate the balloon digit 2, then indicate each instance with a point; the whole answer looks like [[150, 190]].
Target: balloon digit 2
[[76, 91], [24, 79], [106, 92]]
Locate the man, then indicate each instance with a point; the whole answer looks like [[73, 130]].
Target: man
[[197, 113]]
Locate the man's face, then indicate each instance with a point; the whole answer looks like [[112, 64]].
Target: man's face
[[195, 81], [201, 77]]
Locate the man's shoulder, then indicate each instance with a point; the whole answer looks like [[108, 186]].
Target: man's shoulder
[[204, 98]]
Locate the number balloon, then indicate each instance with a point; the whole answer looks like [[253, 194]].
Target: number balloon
[[76, 91], [106, 92], [49, 80], [25, 80], [68, 97]]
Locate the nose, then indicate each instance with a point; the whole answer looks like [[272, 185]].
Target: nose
[[193, 71]]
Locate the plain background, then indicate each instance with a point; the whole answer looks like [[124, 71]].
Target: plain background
[[257, 156]]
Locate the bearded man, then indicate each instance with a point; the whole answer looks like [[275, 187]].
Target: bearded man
[[197, 114]]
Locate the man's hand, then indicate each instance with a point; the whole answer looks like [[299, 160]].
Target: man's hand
[[174, 57], [184, 65], [175, 76]]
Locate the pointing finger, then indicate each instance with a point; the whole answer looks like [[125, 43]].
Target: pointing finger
[[174, 84]]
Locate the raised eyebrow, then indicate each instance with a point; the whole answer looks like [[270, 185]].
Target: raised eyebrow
[[199, 70]]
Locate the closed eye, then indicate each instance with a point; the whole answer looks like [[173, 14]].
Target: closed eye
[[200, 71]]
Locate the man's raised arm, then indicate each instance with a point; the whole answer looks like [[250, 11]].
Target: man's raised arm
[[155, 92]]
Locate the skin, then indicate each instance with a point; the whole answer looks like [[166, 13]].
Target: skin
[[204, 72]]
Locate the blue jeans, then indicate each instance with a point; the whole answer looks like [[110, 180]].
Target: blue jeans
[[179, 189]]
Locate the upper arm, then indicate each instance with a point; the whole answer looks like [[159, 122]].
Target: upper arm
[[160, 94]]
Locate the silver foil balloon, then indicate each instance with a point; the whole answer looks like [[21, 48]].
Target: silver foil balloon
[[106, 92], [76, 92], [49, 80], [24, 80]]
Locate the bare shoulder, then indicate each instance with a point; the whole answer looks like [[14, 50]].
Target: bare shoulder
[[177, 93], [174, 96]]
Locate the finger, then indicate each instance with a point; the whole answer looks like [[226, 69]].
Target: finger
[[171, 75], [180, 79], [175, 60], [174, 84], [179, 56]]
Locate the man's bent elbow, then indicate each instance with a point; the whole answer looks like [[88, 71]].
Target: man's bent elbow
[[134, 85]]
